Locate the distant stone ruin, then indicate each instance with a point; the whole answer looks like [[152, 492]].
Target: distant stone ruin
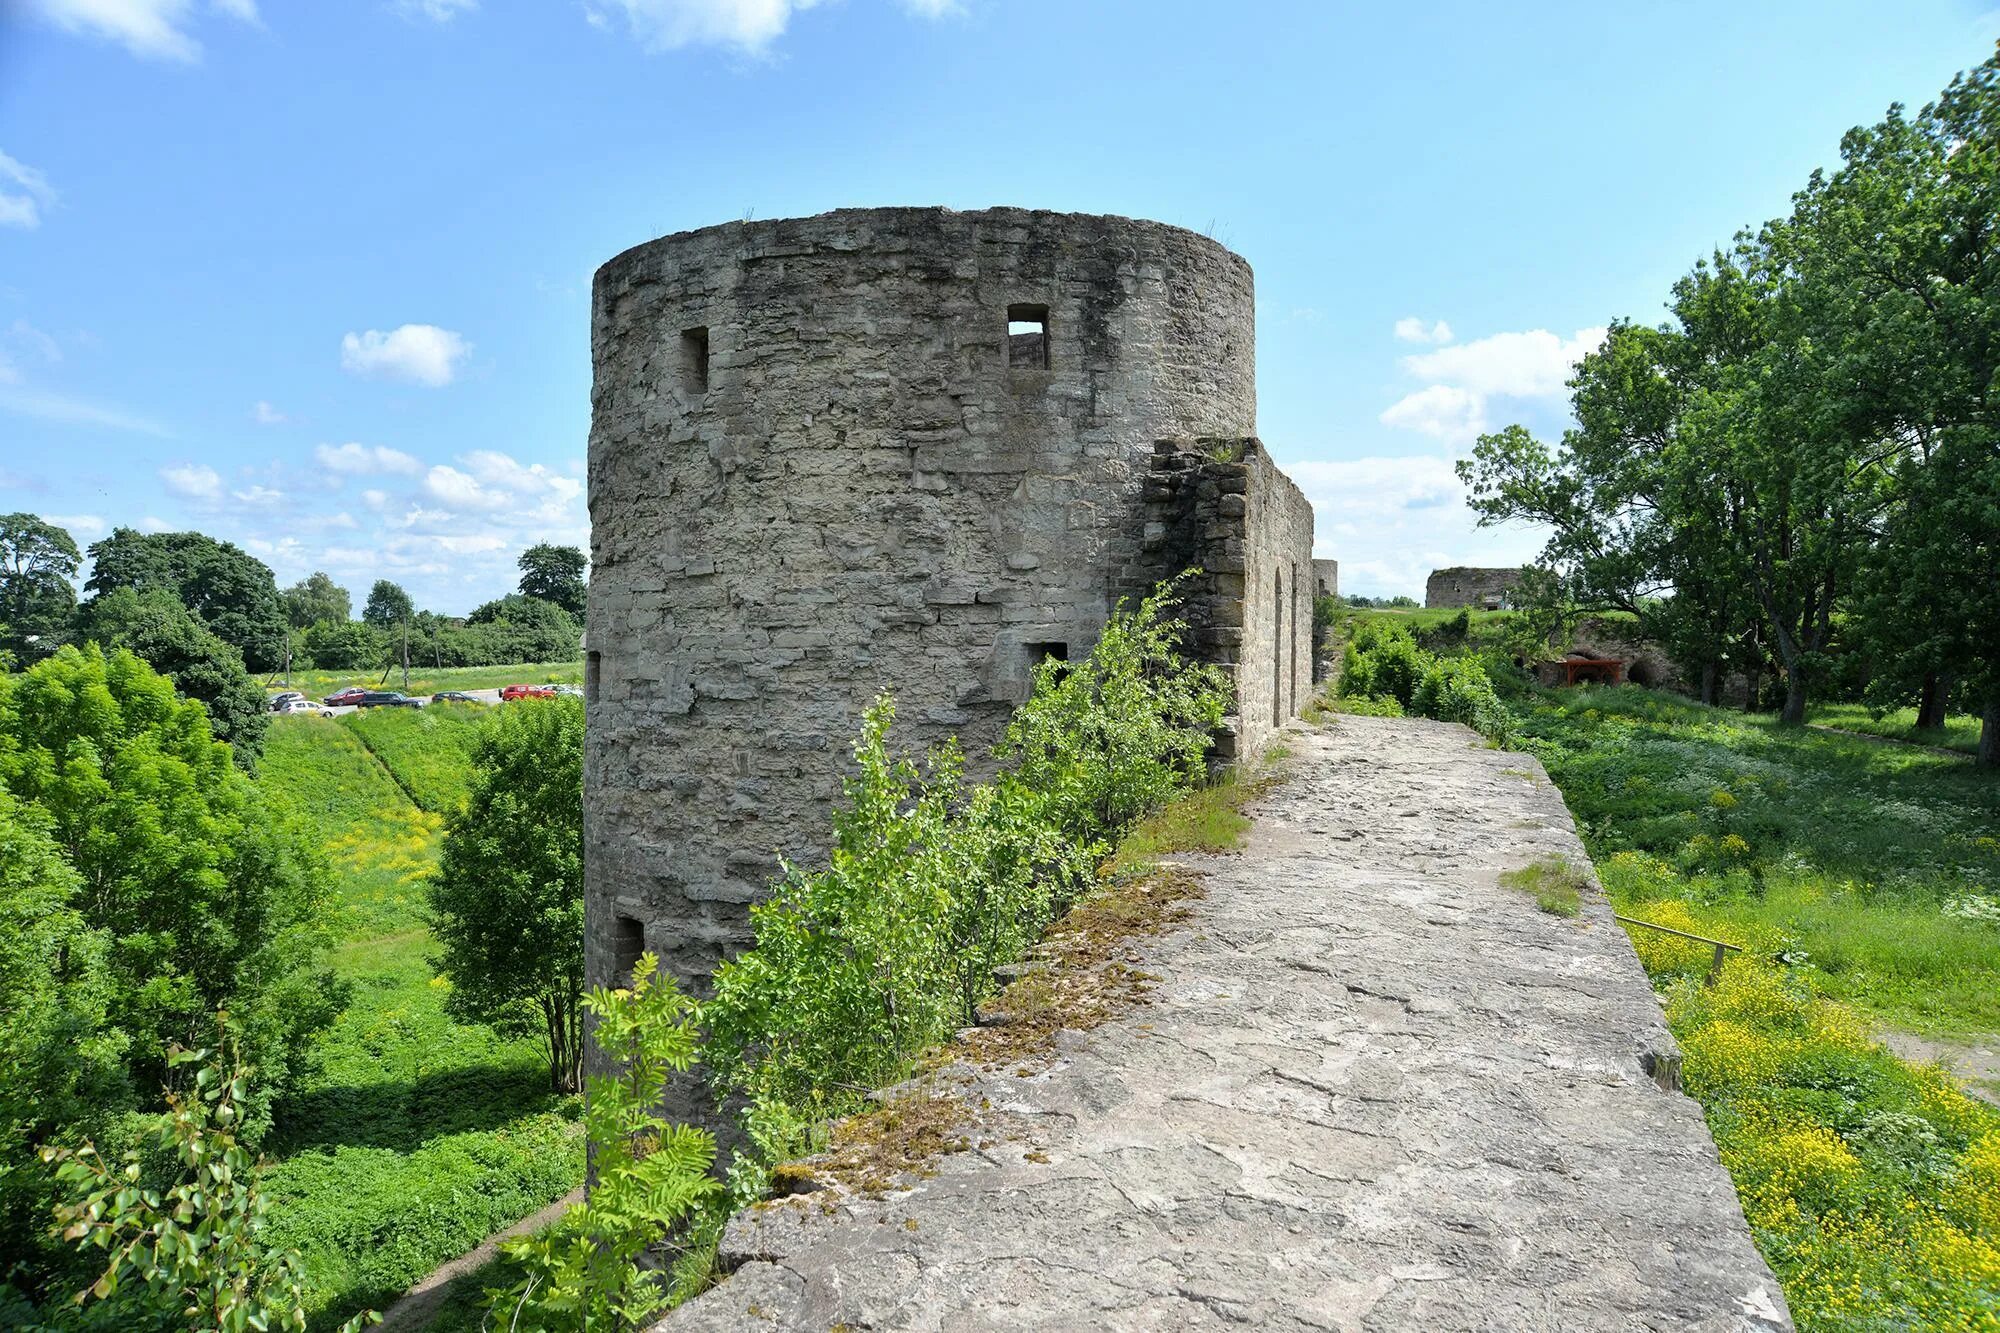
[[1480, 589], [1326, 574], [911, 451]]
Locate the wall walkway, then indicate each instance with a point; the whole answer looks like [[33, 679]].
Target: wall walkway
[[1374, 1089]]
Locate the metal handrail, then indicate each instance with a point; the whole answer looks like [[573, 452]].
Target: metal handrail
[[1721, 946]]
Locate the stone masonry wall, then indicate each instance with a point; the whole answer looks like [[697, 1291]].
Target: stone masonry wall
[[1462, 585], [821, 468], [1222, 507], [1327, 574]]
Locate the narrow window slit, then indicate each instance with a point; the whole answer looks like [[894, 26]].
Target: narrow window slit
[[694, 360], [628, 941], [1028, 337]]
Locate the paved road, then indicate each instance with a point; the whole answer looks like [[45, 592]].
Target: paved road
[[491, 696], [1374, 1090]]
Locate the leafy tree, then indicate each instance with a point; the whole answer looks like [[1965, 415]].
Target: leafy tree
[[192, 1254], [532, 629], [156, 627], [583, 1273], [37, 562], [61, 1061], [555, 574], [315, 598], [207, 897], [389, 607], [227, 590], [507, 899], [344, 645]]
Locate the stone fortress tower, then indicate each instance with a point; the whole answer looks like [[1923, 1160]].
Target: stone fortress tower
[[902, 450]]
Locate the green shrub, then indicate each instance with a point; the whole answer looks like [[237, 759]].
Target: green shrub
[[583, 1273], [1381, 661], [1456, 689]]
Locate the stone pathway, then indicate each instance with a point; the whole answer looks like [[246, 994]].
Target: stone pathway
[[419, 1305], [1975, 1064], [1373, 1090]]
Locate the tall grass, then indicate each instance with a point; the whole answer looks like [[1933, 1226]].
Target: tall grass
[[428, 751]]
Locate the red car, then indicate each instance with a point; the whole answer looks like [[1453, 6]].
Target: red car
[[528, 692], [351, 695]]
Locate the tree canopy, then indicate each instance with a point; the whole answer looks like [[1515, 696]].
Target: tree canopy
[[316, 598], [1808, 449], [229, 591], [154, 625], [507, 899], [38, 560], [555, 574], [388, 606]]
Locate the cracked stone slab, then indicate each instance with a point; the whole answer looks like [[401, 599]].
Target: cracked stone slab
[[1374, 1089]]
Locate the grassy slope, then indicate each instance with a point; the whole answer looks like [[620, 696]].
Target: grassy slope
[[1961, 731], [1843, 849], [429, 680], [427, 751], [419, 1136]]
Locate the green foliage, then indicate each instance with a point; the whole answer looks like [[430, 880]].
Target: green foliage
[[316, 598], [861, 965], [415, 1137], [389, 608], [345, 645], [1457, 689], [651, 1175], [192, 1254], [209, 898], [61, 1060], [37, 562], [525, 629], [506, 902], [228, 592], [555, 574], [1381, 661], [155, 626]]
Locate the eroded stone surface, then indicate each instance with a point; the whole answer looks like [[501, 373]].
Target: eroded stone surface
[[1373, 1090]]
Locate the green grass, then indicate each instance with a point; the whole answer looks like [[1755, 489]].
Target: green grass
[[1865, 863], [429, 680], [428, 751], [1960, 732], [1556, 886], [417, 1136], [1853, 873]]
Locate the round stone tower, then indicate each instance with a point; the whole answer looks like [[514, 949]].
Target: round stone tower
[[878, 450]]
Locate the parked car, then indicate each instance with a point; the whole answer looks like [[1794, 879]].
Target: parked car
[[572, 691], [454, 697], [279, 701], [513, 692], [351, 695], [386, 699], [301, 704]]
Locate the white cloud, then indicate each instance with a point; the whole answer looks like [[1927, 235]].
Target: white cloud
[[1534, 364], [1443, 411], [266, 415], [1453, 406], [193, 481], [24, 193], [153, 29], [79, 525], [667, 25], [1391, 520], [933, 9], [437, 11], [419, 353], [1410, 329], [375, 499], [258, 496], [361, 459]]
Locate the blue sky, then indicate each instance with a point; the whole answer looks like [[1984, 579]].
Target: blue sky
[[315, 277]]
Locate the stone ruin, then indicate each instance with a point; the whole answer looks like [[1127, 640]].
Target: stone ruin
[[1480, 589], [911, 451]]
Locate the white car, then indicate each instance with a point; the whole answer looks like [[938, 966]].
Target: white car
[[280, 702], [301, 705]]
